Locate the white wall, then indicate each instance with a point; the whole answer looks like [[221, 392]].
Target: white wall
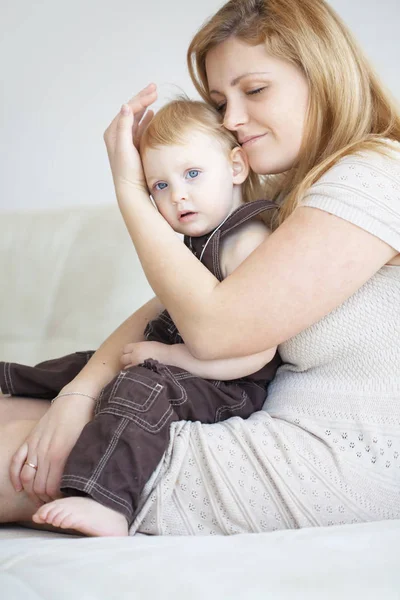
[[67, 66]]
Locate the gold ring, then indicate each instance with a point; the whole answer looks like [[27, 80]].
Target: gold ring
[[31, 465]]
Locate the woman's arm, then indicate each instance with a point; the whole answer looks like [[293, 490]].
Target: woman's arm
[[307, 267]]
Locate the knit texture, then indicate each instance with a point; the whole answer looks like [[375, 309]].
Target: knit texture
[[325, 449]]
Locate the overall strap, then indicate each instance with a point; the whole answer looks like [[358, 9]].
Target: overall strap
[[211, 255]]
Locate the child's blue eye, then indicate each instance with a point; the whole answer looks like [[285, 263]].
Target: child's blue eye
[[160, 186], [193, 173]]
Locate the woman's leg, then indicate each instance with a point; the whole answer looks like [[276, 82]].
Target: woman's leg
[[14, 506], [17, 418], [14, 408]]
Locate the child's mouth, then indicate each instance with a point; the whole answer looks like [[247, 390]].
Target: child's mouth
[[187, 216]]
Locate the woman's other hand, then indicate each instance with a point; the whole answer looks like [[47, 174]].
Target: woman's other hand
[[122, 139], [47, 448]]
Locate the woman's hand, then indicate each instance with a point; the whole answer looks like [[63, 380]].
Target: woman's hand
[[48, 447], [122, 139], [137, 353]]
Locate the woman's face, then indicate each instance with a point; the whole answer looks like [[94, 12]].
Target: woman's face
[[262, 99]]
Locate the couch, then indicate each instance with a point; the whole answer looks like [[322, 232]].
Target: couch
[[69, 277]]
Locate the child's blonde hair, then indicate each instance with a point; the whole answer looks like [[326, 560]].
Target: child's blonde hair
[[175, 120], [349, 110]]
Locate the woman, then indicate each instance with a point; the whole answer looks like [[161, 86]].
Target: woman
[[309, 112]]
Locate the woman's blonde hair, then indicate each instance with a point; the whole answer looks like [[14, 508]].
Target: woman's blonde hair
[[349, 110], [175, 120]]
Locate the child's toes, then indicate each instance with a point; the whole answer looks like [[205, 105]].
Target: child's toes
[[68, 521], [57, 516], [41, 514], [49, 513]]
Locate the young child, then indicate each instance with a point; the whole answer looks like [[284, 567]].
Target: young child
[[199, 180]]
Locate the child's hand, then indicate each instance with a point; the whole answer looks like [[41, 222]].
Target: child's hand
[[137, 353], [122, 139]]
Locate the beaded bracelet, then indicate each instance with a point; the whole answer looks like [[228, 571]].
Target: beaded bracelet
[[73, 394]]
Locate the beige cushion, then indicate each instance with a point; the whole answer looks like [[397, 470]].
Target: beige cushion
[[69, 278]]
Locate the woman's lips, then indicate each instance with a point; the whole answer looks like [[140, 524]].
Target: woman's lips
[[252, 140]]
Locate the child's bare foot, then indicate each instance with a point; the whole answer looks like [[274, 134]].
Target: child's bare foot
[[84, 515]]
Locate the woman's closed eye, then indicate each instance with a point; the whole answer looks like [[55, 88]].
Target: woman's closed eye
[[256, 91], [221, 107]]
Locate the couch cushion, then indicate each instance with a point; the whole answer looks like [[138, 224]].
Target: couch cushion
[[70, 277]]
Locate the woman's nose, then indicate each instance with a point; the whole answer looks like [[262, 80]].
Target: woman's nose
[[234, 117]]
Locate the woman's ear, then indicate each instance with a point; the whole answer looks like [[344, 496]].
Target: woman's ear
[[240, 165]]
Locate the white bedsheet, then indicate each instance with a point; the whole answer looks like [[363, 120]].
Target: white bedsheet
[[351, 561]]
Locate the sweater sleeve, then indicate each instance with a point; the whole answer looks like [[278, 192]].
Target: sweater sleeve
[[364, 189]]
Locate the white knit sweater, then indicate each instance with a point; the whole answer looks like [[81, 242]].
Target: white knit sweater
[[354, 350], [326, 448]]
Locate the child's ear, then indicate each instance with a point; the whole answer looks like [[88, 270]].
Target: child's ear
[[240, 165]]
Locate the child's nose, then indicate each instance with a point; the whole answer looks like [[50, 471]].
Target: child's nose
[[179, 195]]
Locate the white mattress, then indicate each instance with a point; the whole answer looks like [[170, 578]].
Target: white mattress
[[351, 561]]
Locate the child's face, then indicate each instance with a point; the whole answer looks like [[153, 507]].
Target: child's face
[[191, 184]]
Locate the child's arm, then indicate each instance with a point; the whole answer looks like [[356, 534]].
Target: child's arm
[[179, 356], [240, 244], [223, 369]]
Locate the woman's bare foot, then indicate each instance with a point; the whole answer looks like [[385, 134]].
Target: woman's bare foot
[[84, 515]]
